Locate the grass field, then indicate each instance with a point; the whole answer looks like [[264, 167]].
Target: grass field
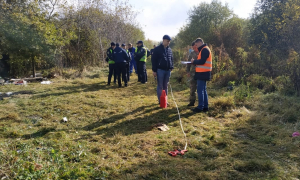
[[109, 133]]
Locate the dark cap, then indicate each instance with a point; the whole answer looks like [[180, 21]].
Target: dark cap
[[167, 37], [123, 45], [112, 44], [140, 42], [117, 44]]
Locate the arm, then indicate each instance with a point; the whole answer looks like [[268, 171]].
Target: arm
[[125, 55], [172, 61], [204, 56], [154, 58], [141, 53], [188, 66]]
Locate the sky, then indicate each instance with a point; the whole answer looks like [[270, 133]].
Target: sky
[[160, 17]]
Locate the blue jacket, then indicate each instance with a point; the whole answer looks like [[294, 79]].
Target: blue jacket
[[162, 58], [120, 55]]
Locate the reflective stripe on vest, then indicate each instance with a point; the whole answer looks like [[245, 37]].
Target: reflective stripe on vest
[[208, 64], [144, 58], [110, 61]]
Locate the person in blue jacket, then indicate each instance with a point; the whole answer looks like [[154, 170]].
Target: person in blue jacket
[[120, 57], [131, 50], [162, 65]]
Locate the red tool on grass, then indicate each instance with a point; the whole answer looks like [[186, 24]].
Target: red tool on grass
[[177, 152], [163, 99]]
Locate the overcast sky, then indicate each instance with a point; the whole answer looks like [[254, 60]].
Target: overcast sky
[[159, 17]]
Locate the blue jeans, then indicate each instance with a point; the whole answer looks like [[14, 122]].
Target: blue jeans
[[133, 65], [163, 78], [202, 94]]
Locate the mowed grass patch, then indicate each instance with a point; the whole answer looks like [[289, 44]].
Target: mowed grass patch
[[110, 133]]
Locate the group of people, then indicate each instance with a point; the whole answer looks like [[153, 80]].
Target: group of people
[[122, 61]]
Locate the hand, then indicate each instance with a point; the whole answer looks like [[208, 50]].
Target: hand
[[154, 74], [192, 61]]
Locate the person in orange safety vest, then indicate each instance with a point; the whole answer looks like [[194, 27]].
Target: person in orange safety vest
[[203, 74]]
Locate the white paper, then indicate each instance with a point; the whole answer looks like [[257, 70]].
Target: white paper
[[185, 62]]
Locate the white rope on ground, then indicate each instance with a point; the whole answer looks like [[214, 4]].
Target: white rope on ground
[[179, 117]]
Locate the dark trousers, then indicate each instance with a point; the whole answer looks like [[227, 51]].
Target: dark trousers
[[137, 70], [128, 71], [112, 71], [142, 72], [121, 70]]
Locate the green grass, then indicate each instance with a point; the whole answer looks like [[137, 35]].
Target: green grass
[[109, 133]]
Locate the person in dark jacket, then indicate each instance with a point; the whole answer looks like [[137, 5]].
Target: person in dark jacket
[[120, 57], [131, 50], [140, 57], [203, 74], [111, 63], [127, 63], [162, 65], [151, 51]]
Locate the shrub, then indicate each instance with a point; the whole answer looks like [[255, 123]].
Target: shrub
[[284, 85], [223, 78], [242, 92]]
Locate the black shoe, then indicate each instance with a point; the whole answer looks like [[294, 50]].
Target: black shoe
[[205, 109], [126, 85], [197, 110], [191, 104], [108, 84]]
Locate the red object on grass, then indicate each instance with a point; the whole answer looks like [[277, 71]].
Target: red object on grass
[[177, 152], [163, 99]]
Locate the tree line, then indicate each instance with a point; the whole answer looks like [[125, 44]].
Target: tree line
[[262, 49], [52, 33]]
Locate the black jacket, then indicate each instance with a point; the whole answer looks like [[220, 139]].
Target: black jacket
[[109, 53], [120, 55], [140, 53], [206, 76], [162, 58]]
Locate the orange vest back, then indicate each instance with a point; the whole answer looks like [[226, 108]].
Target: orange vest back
[[208, 64]]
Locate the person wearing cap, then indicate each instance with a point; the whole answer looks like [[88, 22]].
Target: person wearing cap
[[162, 65], [127, 63], [140, 56], [131, 50], [190, 69], [203, 70], [120, 57], [111, 63]]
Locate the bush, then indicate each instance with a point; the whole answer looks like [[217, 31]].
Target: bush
[[261, 82], [242, 92], [223, 78], [284, 85]]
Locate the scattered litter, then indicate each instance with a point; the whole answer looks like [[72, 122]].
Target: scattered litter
[[65, 119], [295, 134], [46, 82], [161, 126], [177, 152], [20, 82], [9, 93]]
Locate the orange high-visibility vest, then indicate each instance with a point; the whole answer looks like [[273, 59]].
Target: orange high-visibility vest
[[208, 64]]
